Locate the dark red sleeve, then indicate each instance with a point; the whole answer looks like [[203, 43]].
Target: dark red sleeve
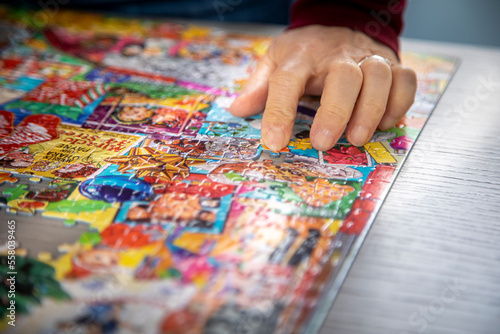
[[380, 19]]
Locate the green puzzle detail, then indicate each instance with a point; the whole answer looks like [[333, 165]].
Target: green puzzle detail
[[90, 238], [15, 192], [234, 177], [70, 222], [78, 206], [157, 91], [71, 112]]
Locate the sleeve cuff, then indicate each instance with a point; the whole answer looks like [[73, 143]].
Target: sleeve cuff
[[381, 20]]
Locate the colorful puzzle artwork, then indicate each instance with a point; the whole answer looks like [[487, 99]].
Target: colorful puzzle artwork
[[190, 224]]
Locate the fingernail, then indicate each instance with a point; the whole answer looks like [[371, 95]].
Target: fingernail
[[274, 138], [323, 140], [359, 135]]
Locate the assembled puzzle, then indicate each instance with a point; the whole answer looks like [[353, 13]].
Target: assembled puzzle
[[190, 224]]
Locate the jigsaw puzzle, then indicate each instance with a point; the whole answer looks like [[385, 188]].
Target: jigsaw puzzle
[[186, 223]]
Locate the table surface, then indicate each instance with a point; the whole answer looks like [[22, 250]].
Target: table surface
[[431, 261]]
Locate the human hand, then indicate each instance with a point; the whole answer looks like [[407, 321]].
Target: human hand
[[321, 60]]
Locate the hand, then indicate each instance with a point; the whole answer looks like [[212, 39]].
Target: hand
[[320, 60]]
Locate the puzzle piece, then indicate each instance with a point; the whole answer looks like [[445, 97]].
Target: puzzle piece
[[90, 238], [7, 177], [28, 207], [380, 153], [16, 192], [35, 180]]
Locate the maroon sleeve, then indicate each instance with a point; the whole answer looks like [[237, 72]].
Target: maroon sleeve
[[380, 19]]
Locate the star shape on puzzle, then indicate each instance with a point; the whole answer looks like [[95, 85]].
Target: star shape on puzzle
[[149, 162]]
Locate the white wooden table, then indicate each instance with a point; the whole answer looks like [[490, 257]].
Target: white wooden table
[[431, 261]]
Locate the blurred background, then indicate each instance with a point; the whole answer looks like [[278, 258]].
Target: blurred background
[[460, 21]]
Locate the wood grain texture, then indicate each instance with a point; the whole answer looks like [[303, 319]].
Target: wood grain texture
[[440, 224]]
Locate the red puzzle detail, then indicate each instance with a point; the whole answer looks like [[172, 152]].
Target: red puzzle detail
[[374, 190], [6, 123], [33, 129]]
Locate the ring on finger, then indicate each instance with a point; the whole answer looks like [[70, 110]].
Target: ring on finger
[[387, 61]]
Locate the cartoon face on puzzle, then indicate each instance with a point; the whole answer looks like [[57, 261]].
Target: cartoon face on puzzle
[[77, 170], [231, 51], [44, 165], [131, 114], [96, 260], [196, 203], [181, 59], [91, 46], [174, 207], [218, 148], [167, 117], [57, 191], [150, 108], [17, 159]]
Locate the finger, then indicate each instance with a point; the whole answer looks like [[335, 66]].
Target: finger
[[401, 96], [286, 86], [372, 101], [254, 94], [342, 86]]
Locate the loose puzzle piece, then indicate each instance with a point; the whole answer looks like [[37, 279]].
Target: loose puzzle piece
[[189, 224], [16, 192], [7, 177]]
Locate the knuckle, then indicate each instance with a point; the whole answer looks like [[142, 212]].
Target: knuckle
[[345, 49], [285, 78], [377, 66], [278, 114], [373, 108], [304, 47], [335, 112], [347, 68]]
